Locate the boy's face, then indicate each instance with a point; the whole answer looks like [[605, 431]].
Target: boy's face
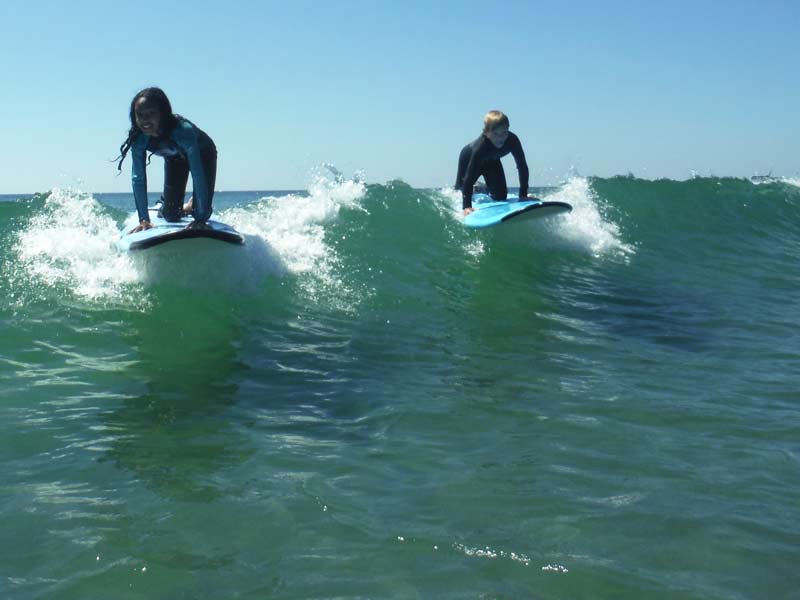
[[498, 135]]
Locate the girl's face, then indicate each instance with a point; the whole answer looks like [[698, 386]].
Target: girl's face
[[148, 117], [498, 136]]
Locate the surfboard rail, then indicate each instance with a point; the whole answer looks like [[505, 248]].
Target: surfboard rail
[[489, 212], [164, 231]]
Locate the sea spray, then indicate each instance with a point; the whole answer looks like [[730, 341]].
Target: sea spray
[[71, 244], [295, 228], [587, 227]]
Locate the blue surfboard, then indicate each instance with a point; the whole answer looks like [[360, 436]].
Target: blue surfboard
[[164, 231], [489, 212]]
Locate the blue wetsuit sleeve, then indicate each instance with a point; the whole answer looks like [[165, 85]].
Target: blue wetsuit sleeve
[[186, 137], [139, 176], [522, 166]]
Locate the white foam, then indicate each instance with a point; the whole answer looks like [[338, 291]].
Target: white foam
[[207, 265], [452, 204], [792, 180], [72, 243], [587, 227], [294, 228]]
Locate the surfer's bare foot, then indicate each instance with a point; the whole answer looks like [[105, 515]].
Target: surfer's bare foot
[[468, 210]]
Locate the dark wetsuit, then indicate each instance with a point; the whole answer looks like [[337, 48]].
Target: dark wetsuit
[[482, 157], [185, 149]]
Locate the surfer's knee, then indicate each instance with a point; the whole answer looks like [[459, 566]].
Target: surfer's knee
[[170, 211]]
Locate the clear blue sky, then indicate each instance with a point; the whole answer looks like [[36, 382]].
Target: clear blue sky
[[397, 88]]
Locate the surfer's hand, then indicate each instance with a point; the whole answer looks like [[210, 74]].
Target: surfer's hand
[[468, 210], [142, 226]]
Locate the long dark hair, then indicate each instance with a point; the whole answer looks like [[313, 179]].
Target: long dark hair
[[168, 119]]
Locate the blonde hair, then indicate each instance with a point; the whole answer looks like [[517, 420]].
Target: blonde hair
[[493, 120]]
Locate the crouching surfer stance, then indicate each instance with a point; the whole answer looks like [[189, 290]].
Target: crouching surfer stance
[[185, 149], [482, 157]]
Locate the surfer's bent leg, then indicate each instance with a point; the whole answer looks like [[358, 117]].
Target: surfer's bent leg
[[209, 157], [210, 169], [463, 163], [176, 174], [495, 178]]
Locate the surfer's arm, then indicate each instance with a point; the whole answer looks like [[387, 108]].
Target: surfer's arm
[[139, 178], [479, 152], [188, 140], [522, 166], [469, 182], [464, 162]]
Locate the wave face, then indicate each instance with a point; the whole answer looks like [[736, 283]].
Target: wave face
[[368, 398]]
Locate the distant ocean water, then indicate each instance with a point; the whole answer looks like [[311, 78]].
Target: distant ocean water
[[368, 400]]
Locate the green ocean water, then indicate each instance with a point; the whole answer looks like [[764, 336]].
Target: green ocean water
[[368, 400]]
